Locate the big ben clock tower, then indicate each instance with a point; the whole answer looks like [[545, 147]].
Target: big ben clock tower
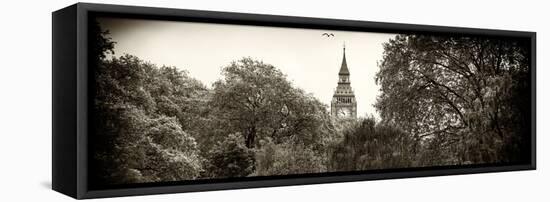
[[343, 104]]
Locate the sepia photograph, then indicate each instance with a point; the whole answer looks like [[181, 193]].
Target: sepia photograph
[[177, 101]]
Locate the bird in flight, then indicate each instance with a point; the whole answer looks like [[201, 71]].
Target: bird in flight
[[328, 34]]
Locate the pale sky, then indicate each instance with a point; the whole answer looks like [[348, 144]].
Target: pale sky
[[310, 61]]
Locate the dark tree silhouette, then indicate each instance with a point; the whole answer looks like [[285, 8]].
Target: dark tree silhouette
[[464, 95]]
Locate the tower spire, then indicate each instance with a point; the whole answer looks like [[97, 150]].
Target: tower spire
[[344, 68]]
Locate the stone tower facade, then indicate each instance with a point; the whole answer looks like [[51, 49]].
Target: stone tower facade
[[343, 104]]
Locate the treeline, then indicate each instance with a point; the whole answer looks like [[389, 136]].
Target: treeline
[[158, 124]]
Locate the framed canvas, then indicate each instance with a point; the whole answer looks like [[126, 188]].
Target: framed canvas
[[156, 100]]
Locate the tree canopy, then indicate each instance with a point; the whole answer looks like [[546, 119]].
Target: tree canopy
[[465, 94], [258, 101]]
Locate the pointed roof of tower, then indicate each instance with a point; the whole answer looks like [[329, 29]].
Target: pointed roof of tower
[[344, 68]]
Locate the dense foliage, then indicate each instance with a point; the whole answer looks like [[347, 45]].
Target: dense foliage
[[368, 145], [466, 99], [142, 115], [230, 158]]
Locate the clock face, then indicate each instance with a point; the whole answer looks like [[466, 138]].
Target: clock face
[[344, 112]]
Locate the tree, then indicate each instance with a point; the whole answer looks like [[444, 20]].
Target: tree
[[101, 43], [288, 158], [137, 137], [178, 95], [171, 154], [368, 145], [460, 93], [256, 100], [230, 158], [140, 112]]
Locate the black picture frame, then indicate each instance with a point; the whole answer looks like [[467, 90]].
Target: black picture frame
[[71, 85]]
